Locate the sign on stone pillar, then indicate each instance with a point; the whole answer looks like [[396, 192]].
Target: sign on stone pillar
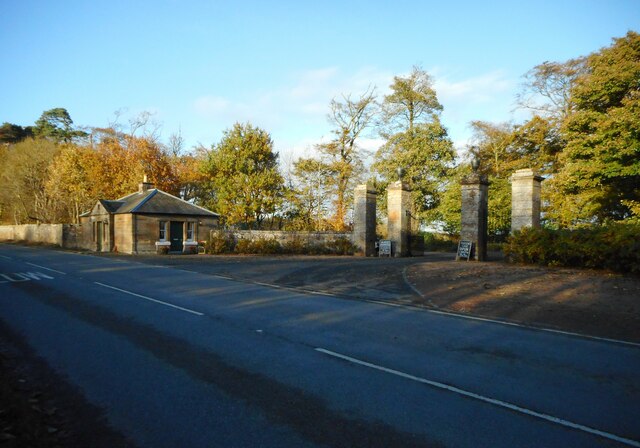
[[474, 214], [399, 218], [364, 220], [525, 199]]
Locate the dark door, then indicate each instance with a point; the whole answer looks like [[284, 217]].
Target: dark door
[[98, 236], [175, 233]]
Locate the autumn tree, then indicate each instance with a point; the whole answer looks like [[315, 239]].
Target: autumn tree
[[73, 180], [23, 173], [242, 177], [341, 160], [308, 195], [416, 142], [547, 88]]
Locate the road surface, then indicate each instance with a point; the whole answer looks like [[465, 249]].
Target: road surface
[[180, 358]]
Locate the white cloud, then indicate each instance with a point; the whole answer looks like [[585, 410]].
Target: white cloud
[[481, 88], [211, 105], [487, 97], [295, 111]]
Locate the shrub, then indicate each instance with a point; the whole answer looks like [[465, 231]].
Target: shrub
[[220, 242], [434, 242], [265, 246], [243, 246], [294, 246], [341, 246], [615, 247]]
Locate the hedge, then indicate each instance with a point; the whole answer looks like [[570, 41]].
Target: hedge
[[615, 247]]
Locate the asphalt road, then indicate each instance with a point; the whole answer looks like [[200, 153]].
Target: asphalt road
[[182, 358]]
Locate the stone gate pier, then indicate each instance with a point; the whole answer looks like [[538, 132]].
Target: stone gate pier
[[364, 219], [525, 199], [475, 213], [399, 218]]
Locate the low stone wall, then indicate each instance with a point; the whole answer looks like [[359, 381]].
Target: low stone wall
[[283, 237], [63, 235]]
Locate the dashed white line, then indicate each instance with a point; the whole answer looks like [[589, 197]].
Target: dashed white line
[[5, 257], [492, 401], [197, 313], [48, 269]]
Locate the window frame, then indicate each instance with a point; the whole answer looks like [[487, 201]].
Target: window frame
[[191, 228], [162, 230]]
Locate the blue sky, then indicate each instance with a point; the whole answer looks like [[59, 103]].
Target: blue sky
[[201, 66]]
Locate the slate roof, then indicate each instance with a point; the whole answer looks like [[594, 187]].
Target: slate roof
[[110, 206], [154, 201]]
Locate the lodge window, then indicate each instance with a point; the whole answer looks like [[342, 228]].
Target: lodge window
[[162, 230], [190, 229]]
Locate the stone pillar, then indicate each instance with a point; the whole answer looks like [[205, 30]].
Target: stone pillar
[[364, 220], [399, 218], [525, 199], [474, 214]]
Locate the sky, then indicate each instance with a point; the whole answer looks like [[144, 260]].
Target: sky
[[200, 66]]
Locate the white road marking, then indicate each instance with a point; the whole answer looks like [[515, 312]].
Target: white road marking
[[496, 321], [548, 330], [5, 257], [34, 275], [8, 278], [23, 277], [48, 269], [492, 401], [197, 313]]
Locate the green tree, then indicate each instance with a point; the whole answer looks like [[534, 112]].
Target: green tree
[[57, 125], [241, 173], [13, 133], [416, 142], [600, 165]]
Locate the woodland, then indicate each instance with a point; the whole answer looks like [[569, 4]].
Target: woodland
[[582, 135]]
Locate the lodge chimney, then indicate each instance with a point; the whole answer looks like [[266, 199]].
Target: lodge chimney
[[145, 185]]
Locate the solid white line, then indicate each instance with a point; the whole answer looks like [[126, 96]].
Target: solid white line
[[150, 299], [548, 330], [48, 269], [492, 401]]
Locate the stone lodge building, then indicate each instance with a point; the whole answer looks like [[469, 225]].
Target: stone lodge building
[[147, 221]]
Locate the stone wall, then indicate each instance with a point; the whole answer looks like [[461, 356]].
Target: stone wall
[[63, 235], [123, 233], [283, 237]]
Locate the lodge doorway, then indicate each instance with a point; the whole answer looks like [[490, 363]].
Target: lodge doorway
[[176, 229]]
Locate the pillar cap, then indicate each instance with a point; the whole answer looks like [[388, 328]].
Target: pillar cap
[[368, 187], [526, 173], [474, 179], [398, 185]]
